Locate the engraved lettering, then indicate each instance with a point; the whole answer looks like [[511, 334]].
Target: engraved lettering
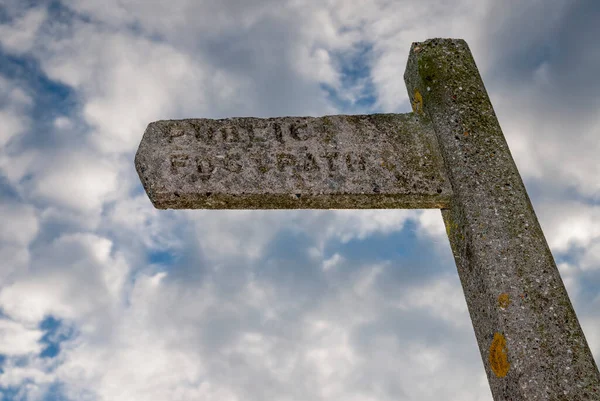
[[175, 132], [178, 161], [299, 131], [352, 166], [230, 132], [256, 138], [203, 133], [233, 163], [330, 156], [252, 134], [285, 159], [205, 168], [196, 129], [277, 131], [262, 163], [310, 164], [250, 131], [261, 138]]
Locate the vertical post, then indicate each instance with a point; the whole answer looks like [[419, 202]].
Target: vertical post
[[529, 337]]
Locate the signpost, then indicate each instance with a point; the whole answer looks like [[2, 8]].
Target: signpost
[[449, 153]]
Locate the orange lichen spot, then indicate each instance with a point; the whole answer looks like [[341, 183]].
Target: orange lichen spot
[[499, 356], [503, 300], [466, 133], [417, 104]]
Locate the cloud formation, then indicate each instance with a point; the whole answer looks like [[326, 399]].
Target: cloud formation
[[102, 297]]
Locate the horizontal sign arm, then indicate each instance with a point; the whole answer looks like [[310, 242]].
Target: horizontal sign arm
[[334, 162]]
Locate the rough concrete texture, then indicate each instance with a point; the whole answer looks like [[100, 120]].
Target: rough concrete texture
[[334, 162], [530, 340]]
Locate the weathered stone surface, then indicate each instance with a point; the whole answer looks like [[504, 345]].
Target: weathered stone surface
[[449, 153], [530, 340], [334, 162]]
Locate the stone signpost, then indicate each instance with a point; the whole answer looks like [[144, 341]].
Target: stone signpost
[[449, 153]]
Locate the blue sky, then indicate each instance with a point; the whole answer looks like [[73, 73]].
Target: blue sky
[[102, 297]]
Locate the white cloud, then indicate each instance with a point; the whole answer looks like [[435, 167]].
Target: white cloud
[[16, 339], [19, 224], [30, 377], [76, 179], [591, 256], [13, 117], [164, 346], [75, 183], [318, 66], [14, 258], [12, 125], [225, 234], [568, 224], [148, 349], [73, 277], [332, 262], [62, 123], [19, 227], [19, 36], [431, 224], [233, 234], [128, 82], [181, 339], [359, 224], [591, 326], [549, 145], [443, 298], [14, 167], [137, 219], [331, 356], [31, 301]]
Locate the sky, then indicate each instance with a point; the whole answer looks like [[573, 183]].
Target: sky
[[103, 297]]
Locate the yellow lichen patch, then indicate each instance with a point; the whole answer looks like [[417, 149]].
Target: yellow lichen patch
[[417, 104], [450, 227], [499, 356], [503, 300]]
